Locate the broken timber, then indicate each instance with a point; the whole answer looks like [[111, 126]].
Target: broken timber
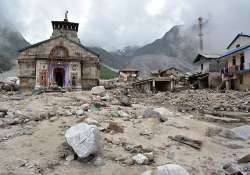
[[196, 144]]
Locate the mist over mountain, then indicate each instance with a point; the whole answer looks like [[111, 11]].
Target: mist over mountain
[[10, 42]]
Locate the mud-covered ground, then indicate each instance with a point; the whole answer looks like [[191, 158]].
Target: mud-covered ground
[[32, 134]]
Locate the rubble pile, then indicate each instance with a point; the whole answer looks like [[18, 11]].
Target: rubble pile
[[120, 131], [209, 100]]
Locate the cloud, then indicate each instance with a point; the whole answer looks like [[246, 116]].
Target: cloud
[[114, 24]]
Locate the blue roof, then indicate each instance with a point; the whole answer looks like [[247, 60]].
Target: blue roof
[[233, 51]]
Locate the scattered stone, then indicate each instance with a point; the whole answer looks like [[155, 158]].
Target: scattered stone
[[52, 119], [125, 101], [84, 139], [80, 112], [98, 90], [123, 114], [232, 169], [169, 169], [245, 159], [2, 115], [90, 121], [70, 157], [115, 114], [140, 159], [99, 161], [150, 156], [86, 107], [3, 110], [105, 98], [113, 126]]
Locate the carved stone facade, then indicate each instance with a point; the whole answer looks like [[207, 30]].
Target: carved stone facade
[[60, 60]]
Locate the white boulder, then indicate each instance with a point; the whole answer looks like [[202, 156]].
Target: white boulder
[[241, 132], [169, 169], [84, 139], [98, 90], [140, 159]]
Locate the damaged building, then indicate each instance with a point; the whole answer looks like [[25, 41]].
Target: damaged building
[[160, 81], [236, 64], [172, 71], [59, 61], [129, 74], [208, 74]]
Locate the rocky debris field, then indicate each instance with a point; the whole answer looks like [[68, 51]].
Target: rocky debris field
[[206, 100], [123, 132]]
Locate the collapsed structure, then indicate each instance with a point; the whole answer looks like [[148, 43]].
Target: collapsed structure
[[61, 60], [128, 74], [162, 80]]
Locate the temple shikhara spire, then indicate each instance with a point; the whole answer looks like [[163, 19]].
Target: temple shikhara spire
[[66, 16]]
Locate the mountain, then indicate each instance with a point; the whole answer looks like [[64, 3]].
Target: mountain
[[178, 48], [10, 42], [113, 59]]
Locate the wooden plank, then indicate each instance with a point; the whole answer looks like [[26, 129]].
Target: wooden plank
[[196, 144]]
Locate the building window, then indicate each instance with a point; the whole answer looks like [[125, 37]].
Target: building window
[[242, 61], [241, 79], [234, 61], [238, 45], [201, 66]]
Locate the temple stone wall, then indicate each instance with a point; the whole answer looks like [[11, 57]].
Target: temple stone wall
[[81, 65]]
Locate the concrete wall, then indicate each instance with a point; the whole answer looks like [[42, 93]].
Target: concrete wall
[[214, 80], [246, 82]]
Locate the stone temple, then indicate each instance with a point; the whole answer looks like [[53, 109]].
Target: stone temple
[[61, 60]]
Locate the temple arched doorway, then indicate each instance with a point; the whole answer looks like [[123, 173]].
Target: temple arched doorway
[[59, 76]]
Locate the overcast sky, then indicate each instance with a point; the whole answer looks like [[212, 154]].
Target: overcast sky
[[113, 24]]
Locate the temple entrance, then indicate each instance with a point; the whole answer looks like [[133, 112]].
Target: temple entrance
[[59, 76]]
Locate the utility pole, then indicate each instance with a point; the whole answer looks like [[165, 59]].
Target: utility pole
[[200, 23]]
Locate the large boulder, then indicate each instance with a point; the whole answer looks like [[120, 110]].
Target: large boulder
[[165, 113], [98, 90], [169, 169], [155, 113], [241, 132], [84, 139]]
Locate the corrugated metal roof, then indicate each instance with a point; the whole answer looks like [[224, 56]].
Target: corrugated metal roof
[[201, 56], [233, 51], [211, 55]]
